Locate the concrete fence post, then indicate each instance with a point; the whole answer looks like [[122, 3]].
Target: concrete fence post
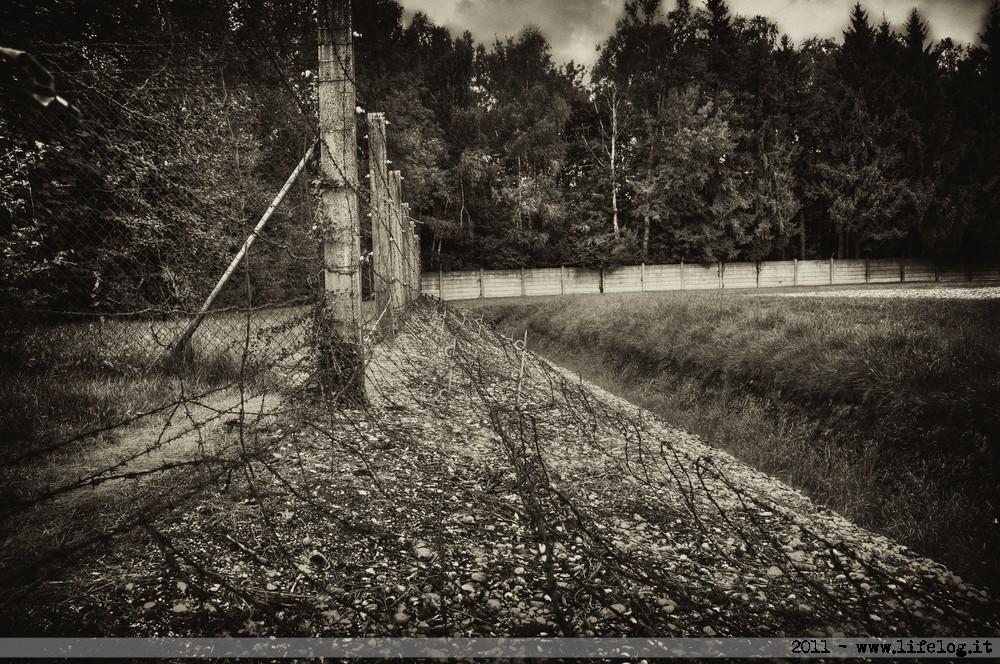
[[407, 245], [396, 225], [417, 285], [937, 271], [416, 261], [441, 284], [831, 270], [522, 281], [795, 271], [642, 277], [682, 275], [378, 183], [722, 279], [868, 266], [482, 283], [340, 349], [902, 270], [562, 280]]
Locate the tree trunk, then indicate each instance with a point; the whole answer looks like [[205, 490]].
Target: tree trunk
[[520, 223], [802, 237], [645, 237], [614, 178], [614, 203]]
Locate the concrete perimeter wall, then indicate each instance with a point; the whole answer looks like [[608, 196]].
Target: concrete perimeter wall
[[528, 282]]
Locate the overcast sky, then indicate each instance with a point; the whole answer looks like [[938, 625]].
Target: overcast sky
[[575, 27]]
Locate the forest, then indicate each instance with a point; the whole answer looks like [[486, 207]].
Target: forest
[[698, 135], [701, 135]]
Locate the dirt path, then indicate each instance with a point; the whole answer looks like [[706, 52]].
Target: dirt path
[[106, 483]]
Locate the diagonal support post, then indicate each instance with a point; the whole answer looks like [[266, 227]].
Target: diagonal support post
[[182, 347]]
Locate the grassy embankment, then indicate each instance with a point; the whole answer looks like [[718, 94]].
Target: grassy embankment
[[887, 411]]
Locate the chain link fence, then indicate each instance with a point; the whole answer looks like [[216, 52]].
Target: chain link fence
[[117, 227]]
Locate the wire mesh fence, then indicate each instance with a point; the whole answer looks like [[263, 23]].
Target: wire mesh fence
[[120, 225]]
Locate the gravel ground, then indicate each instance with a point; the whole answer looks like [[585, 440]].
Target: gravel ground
[[486, 492], [988, 293]]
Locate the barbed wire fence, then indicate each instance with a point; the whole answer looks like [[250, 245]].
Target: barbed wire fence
[[159, 475], [164, 281]]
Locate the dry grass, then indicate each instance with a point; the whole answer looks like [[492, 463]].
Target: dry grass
[[883, 409]]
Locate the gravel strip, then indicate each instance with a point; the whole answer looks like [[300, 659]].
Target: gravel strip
[[674, 520], [989, 293]]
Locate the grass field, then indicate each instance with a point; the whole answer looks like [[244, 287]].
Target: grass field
[[886, 410]]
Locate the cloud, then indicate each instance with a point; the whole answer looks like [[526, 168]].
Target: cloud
[[575, 27]]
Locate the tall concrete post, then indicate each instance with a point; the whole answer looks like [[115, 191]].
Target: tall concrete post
[[382, 241], [338, 334], [414, 253], [396, 223]]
